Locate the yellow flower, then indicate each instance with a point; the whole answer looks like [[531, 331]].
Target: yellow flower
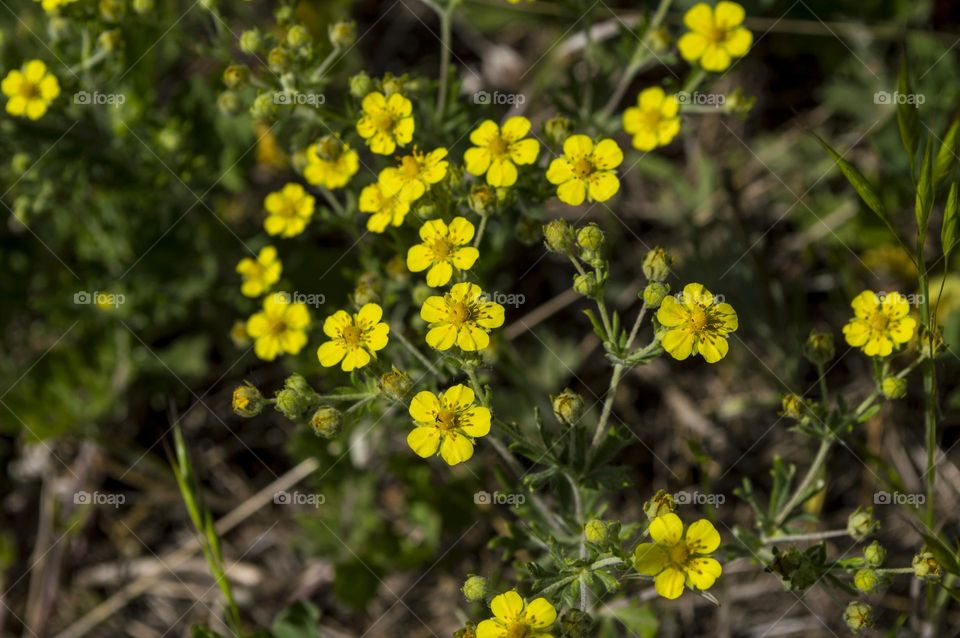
[[268, 152], [513, 618], [880, 323], [697, 323], [30, 90], [386, 122], [330, 163], [383, 210], [461, 316], [288, 210], [415, 174], [677, 560], [498, 151], [280, 328], [585, 170], [260, 273], [444, 249], [654, 121], [716, 35], [52, 5], [448, 423], [355, 339]]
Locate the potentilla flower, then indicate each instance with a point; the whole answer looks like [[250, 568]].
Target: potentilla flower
[[415, 174], [261, 273], [288, 210], [654, 121], [387, 122], [678, 560], [52, 5], [585, 170], [462, 317], [384, 211], [354, 339], [445, 248], [514, 618], [497, 150], [448, 424], [880, 323], [716, 35], [330, 163], [280, 328], [31, 90], [697, 323]]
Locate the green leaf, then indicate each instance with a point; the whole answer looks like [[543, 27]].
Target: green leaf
[[948, 232], [947, 153], [925, 190], [908, 119], [299, 620], [863, 187], [199, 631]]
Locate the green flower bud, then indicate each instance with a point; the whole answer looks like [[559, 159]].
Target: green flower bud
[[559, 236], [143, 6], [654, 293], [296, 398], [867, 580], [264, 107], [661, 503], [858, 616], [576, 624], [298, 37], [392, 84], [110, 40], [590, 238], [894, 387], [19, 163], [284, 14], [396, 384], [229, 103], [474, 588], [860, 524], [467, 631], [298, 383], [482, 200], [112, 10], [659, 40], [874, 554], [235, 75], [343, 34], [926, 567], [587, 284], [367, 290], [656, 264], [326, 421], [557, 129], [250, 41], [279, 60], [596, 531], [247, 401], [567, 406], [238, 334], [792, 406], [360, 85], [819, 348]]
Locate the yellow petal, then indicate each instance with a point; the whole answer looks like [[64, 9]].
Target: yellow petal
[[356, 358], [577, 147], [507, 606], [477, 160], [491, 629], [651, 99], [460, 231], [669, 583], [330, 354], [442, 337], [434, 309], [702, 537], [369, 315], [699, 18], [666, 529], [455, 448], [34, 70], [559, 171], [378, 337], [607, 155], [703, 572], [472, 339], [691, 46], [491, 315], [728, 15], [865, 304], [267, 347], [464, 258], [502, 173], [374, 103], [424, 441], [525, 151], [478, 422], [712, 347], [485, 133], [424, 407], [439, 274], [458, 396], [671, 313], [678, 343], [649, 559], [715, 58], [335, 323], [540, 614], [603, 186], [515, 128], [738, 42], [572, 192], [419, 258]]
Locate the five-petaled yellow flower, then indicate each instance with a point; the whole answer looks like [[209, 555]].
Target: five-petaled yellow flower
[[280, 328], [415, 174], [383, 210], [447, 424], [462, 317], [288, 210], [697, 323], [30, 90], [52, 5], [260, 273], [330, 163], [387, 122], [716, 35], [444, 249], [585, 170], [513, 618], [354, 339], [498, 151], [654, 121], [880, 323], [678, 560]]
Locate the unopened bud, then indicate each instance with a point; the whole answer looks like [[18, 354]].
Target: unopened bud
[[661, 503], [474, 588], [396, 384], [298, 37], [596, 531], [860, 523], [819, 348], [894, 387], [654, 294], [926, 566], [858, 616], [874, 554], [326, 421], [587, 284], [360, 85], [567, 406], [343, 34], [557, 129], [559, 236], [235, 75], [247, 401], [656, 264], [590, 238], [250, 41]]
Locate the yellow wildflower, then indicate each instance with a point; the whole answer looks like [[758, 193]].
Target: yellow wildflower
[[678, 560], [383, 210], [260, 273], [654, 121], [444, 249], [280, 328], [31, 90], [354, 339], [330, 163], [880, 323], [513, 617], [447, 424], [716, 35], [415, 174], [461, 316], [288, 210], [499, 150], [697, 323], [585, 170], [52, 5], [387, 122]]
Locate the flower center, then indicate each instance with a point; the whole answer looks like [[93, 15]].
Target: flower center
[[698, 319], [651, 119], [517, 630], [410, 167], [716, 35], [441, 249], [679, 554], [351, 335], [277, 326], [328, 149], [582, 167], [459, 313], [879, 322], [447, 419], [498, 146], [29, 90], [383, 121]]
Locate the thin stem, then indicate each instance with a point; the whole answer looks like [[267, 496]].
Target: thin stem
[[929, 392], [480, 230], [345, 397], [799, 538], [318, 74], [799, 495], [601, 430], [636, 325], [578, 512]]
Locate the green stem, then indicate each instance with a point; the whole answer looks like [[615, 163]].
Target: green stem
[[480, 230], [800, 494], [412, 349], [318, 74], [799, 538], [929, 387]]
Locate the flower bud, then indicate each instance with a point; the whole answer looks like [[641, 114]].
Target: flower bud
[[567, 406], [926, 566], [792, 406], [235, 75], [367, 290], [238, 334], [326, 421], [659, 40], [264, 107], [250, 41], [279, 60], [298, 37], [296, 398], [143, 6], [247, 401], [396, 384], [112, 10], [867, 580], [343, 34], [298, 383], [20, 163], [467, 631], [819, 348], [661, 503], [559, 236], [557, 129], [482, 200], [229, 103], [590, 238], [860, 524], [360, 85], [110, 40], [894, 387], [656, 264], [474, 588], [393, 84], [587, 284], [576, 624], [596, 531], [654, 293], [874, 554], [858, 616]]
